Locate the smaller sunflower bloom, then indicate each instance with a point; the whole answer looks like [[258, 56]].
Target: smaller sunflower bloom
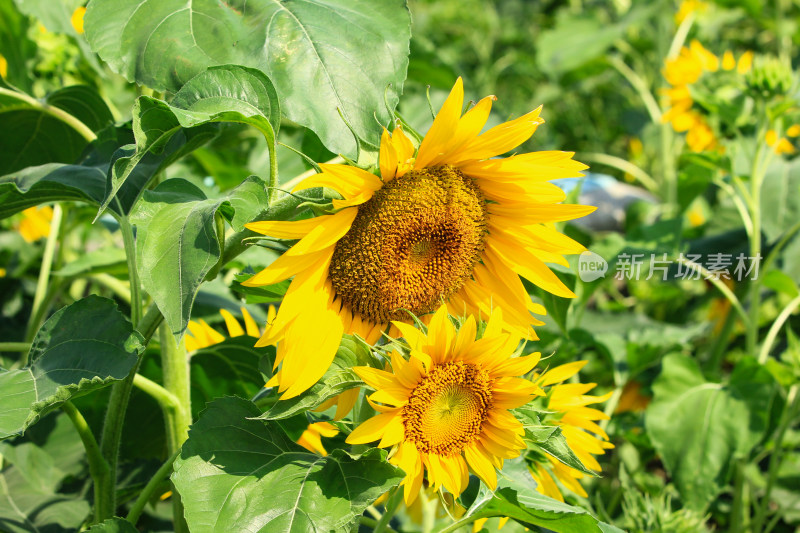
[[445, 409], [781, 145], [311, 439], [632, 400], [684, 71], [568, 402], [201, 335], [35, 223], [793, 131], [689, 7], [77, 19]]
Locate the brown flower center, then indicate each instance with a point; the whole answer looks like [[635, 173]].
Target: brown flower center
[[446, 410], [411, 246]]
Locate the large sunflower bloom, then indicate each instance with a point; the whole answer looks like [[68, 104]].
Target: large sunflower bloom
[[444, 223], [568, 404], [446, 408]]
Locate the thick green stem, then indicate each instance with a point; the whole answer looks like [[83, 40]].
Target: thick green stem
[[149, 490], [175, 365], [98, 467], [15, 346], [738, 511], [166, 400], [39, 299], [133, 272]]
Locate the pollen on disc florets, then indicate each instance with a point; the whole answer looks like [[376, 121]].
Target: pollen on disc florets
[[413, 244], [446, 410]]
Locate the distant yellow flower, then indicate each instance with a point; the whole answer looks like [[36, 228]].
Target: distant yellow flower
[[688, 7], [632, 399], [311, 438], [446, 408], [3, 67], [2, 272], [779, 146], [568, 402], [681, 72], [35, 223], [447, 222], [793, 131], [77, 19]]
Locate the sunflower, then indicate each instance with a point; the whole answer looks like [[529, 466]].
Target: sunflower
[[311, 439], [567, 403], [445, 409], [35, 223], [443, 223], [201, 335], [682, 73]]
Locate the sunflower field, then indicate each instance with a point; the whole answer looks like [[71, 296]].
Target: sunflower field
[[399, 266]]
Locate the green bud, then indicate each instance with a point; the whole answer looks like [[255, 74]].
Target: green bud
[[769, 77]]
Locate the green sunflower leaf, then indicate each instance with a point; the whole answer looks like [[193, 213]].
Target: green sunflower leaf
[[351, 55], [226, 93], [82, 347], [699, 428], [339, 378], [114, 525], [237, 473], [178, 244], [35, 132], [230, 367], [517, 498]]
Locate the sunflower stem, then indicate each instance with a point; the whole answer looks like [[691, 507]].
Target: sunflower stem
[[371, 522], [756, 179], [133, 273], [466, 520], [175, 365], [15, 346], [98, 467], [149, 490]]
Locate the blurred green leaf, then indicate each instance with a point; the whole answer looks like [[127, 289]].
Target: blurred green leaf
[[51, 182], [339, 378], [780, 198], [236, 473], [81, 348], [699, 427], [106, 260], [15, 45], [162, 44], [85, 104]]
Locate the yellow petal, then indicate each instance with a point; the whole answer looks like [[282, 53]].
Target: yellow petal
[[282, 229], [443, 126], [388, 157], [345, 402], [483, 468], [286, 266], [502, 138], [234, 328], [326, 234], [561, 373], [370, 430], [250, 325]]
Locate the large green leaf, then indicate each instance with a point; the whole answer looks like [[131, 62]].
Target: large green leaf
[[33, 133], [699, 427], [231, 367], [178, 243], [81, 348], [31, 497], [165, 132], [339, 378], [321, 55], [236, 473], [52, 182], [517, 498], [780, 198]]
